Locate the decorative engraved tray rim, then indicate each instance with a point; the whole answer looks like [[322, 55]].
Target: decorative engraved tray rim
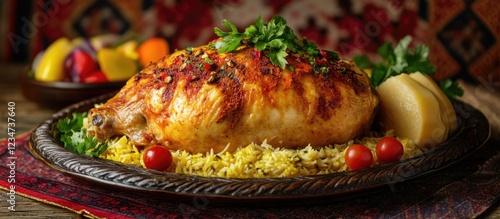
[[473, 131]]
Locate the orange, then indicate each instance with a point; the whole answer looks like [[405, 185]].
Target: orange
[[152, 50]]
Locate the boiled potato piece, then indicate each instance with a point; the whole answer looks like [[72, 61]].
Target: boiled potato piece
[[411, 110], [447, 111]]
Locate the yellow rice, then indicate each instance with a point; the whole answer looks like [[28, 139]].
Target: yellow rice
[[256, 160]]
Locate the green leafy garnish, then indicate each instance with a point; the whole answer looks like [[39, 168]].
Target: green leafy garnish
[[363, 61], [400, 59], [275, 39], [230, 40], [75, 138], [451, 89]]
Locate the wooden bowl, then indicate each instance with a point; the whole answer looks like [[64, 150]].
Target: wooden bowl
[[57, 95]]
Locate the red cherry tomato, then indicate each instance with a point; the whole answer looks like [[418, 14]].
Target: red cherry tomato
[[157, 158], [389, 150], [358, 157]]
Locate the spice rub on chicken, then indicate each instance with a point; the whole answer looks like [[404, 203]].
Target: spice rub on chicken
[[202, 99]]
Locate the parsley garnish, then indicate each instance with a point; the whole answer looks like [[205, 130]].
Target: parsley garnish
[[75, 138], [363, 61], [400, 59], [451, 89], [275, 39]]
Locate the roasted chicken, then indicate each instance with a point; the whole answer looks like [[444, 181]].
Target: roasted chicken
[[200, 100]]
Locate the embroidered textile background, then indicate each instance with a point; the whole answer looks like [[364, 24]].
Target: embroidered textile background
[[463, 34]]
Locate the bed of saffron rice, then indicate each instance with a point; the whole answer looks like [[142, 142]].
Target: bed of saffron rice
[[256, 160]]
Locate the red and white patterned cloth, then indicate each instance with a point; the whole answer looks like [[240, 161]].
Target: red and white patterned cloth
[[463, 35]]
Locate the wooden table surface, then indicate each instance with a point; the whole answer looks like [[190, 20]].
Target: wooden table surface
[[30, 114]]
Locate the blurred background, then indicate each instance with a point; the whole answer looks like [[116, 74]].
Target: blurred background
[[463, 34]]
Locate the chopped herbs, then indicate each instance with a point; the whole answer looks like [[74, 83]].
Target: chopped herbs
[[401, 59], [334, 55], [208, 61], [275, 39], [75, 138]]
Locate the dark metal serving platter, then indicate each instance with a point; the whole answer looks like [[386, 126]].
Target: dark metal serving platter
[[473, 131]]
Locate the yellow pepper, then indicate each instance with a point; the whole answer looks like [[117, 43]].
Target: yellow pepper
[[129, 49], [115, 65], [51, 67]]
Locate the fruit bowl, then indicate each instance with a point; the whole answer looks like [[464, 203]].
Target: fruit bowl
[[57, 95], [72, 70]]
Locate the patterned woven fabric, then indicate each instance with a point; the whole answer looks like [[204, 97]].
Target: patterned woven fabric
[[464, 190], [463, 35]]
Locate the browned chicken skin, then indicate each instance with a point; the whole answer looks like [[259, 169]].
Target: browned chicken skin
[[200, 100]]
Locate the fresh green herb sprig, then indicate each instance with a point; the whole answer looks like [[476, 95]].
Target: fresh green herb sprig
[[451, 88], [400, 59], [75, 138], [273, 38]]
